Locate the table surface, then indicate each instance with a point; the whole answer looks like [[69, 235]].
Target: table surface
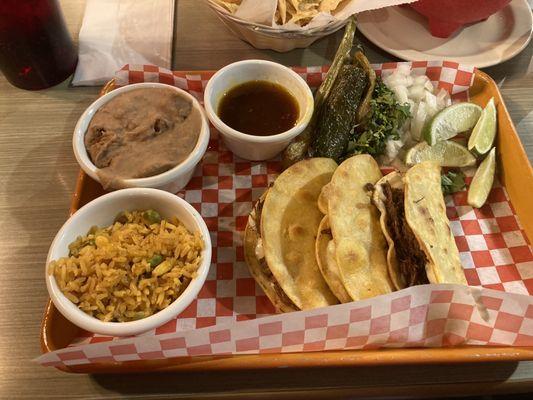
[[37, 177]]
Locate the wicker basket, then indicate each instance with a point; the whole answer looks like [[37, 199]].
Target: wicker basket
[[266, 37]]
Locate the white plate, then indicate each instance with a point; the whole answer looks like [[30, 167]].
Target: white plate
[[404, 33]]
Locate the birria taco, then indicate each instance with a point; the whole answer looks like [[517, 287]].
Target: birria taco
[[325, 257], [354, 263], [422, 248], [279, 241]]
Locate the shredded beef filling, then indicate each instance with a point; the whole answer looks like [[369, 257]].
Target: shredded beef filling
[[411, 259], [274, 283]]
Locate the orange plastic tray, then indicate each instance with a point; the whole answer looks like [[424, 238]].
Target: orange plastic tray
[[516, 174]]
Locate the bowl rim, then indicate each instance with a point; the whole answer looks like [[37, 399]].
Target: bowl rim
[[80, 151], [79, 318], [225, 129]]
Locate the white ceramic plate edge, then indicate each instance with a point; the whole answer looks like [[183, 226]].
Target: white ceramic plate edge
[[482, 60]]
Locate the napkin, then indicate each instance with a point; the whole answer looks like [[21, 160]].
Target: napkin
[[119, 32]]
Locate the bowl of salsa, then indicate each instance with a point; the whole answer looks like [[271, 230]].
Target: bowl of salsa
[[258, 107]]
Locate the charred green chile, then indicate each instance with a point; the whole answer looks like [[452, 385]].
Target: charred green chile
[[298, 149], [339, 113]]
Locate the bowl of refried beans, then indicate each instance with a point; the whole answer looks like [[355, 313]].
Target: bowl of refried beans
[[142, 135]]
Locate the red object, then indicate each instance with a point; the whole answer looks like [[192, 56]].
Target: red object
[[36, 50], [447, 16]]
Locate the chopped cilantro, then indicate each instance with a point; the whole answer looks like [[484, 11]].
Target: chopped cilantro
[[386, 118], [452, 182]]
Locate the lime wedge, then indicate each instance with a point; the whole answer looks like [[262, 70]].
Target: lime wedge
[[484, 132], [446, 153], [482, 182], [452, 120]]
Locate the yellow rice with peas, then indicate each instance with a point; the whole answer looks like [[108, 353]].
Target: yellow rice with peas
[[131, 269]]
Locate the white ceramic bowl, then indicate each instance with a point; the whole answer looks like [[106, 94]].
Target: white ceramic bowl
[[172, 180], [102, 212], [252, 147]]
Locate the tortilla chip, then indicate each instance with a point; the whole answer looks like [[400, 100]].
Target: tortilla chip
[[282, 11], [289, 223], [301, 12], [325, 256], [304, 5], [329, 5], [230, 5], [361, 246], [425, 213]]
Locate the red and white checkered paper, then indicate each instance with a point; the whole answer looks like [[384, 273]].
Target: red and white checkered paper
[[225, 318]]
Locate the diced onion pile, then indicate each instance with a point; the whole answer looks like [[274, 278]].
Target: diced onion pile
[[424, 99]]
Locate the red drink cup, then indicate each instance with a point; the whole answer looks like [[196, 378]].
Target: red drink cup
[[36, 50]]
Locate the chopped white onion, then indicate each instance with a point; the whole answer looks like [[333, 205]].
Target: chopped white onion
[[392, 148], [429, 86], [431, 101], [421, 80], [416, 92], [418, 121], [404, 69], [402, 95], [443, 99], [424, 100]]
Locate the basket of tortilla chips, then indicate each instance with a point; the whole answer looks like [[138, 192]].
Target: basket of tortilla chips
[[280, 25], [283, 25]]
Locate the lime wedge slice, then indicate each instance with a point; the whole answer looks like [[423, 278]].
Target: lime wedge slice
[[446, 153], [484, 132], [452, 120], [482, 182]]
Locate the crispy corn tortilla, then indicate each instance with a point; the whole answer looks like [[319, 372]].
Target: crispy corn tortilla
[[395, 180], [325, 256], [323, 200], [257, 263], [425, 212], [360, 245], [289, 223]]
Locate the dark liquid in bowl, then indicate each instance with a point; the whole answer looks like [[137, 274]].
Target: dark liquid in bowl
[[259, 108]]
